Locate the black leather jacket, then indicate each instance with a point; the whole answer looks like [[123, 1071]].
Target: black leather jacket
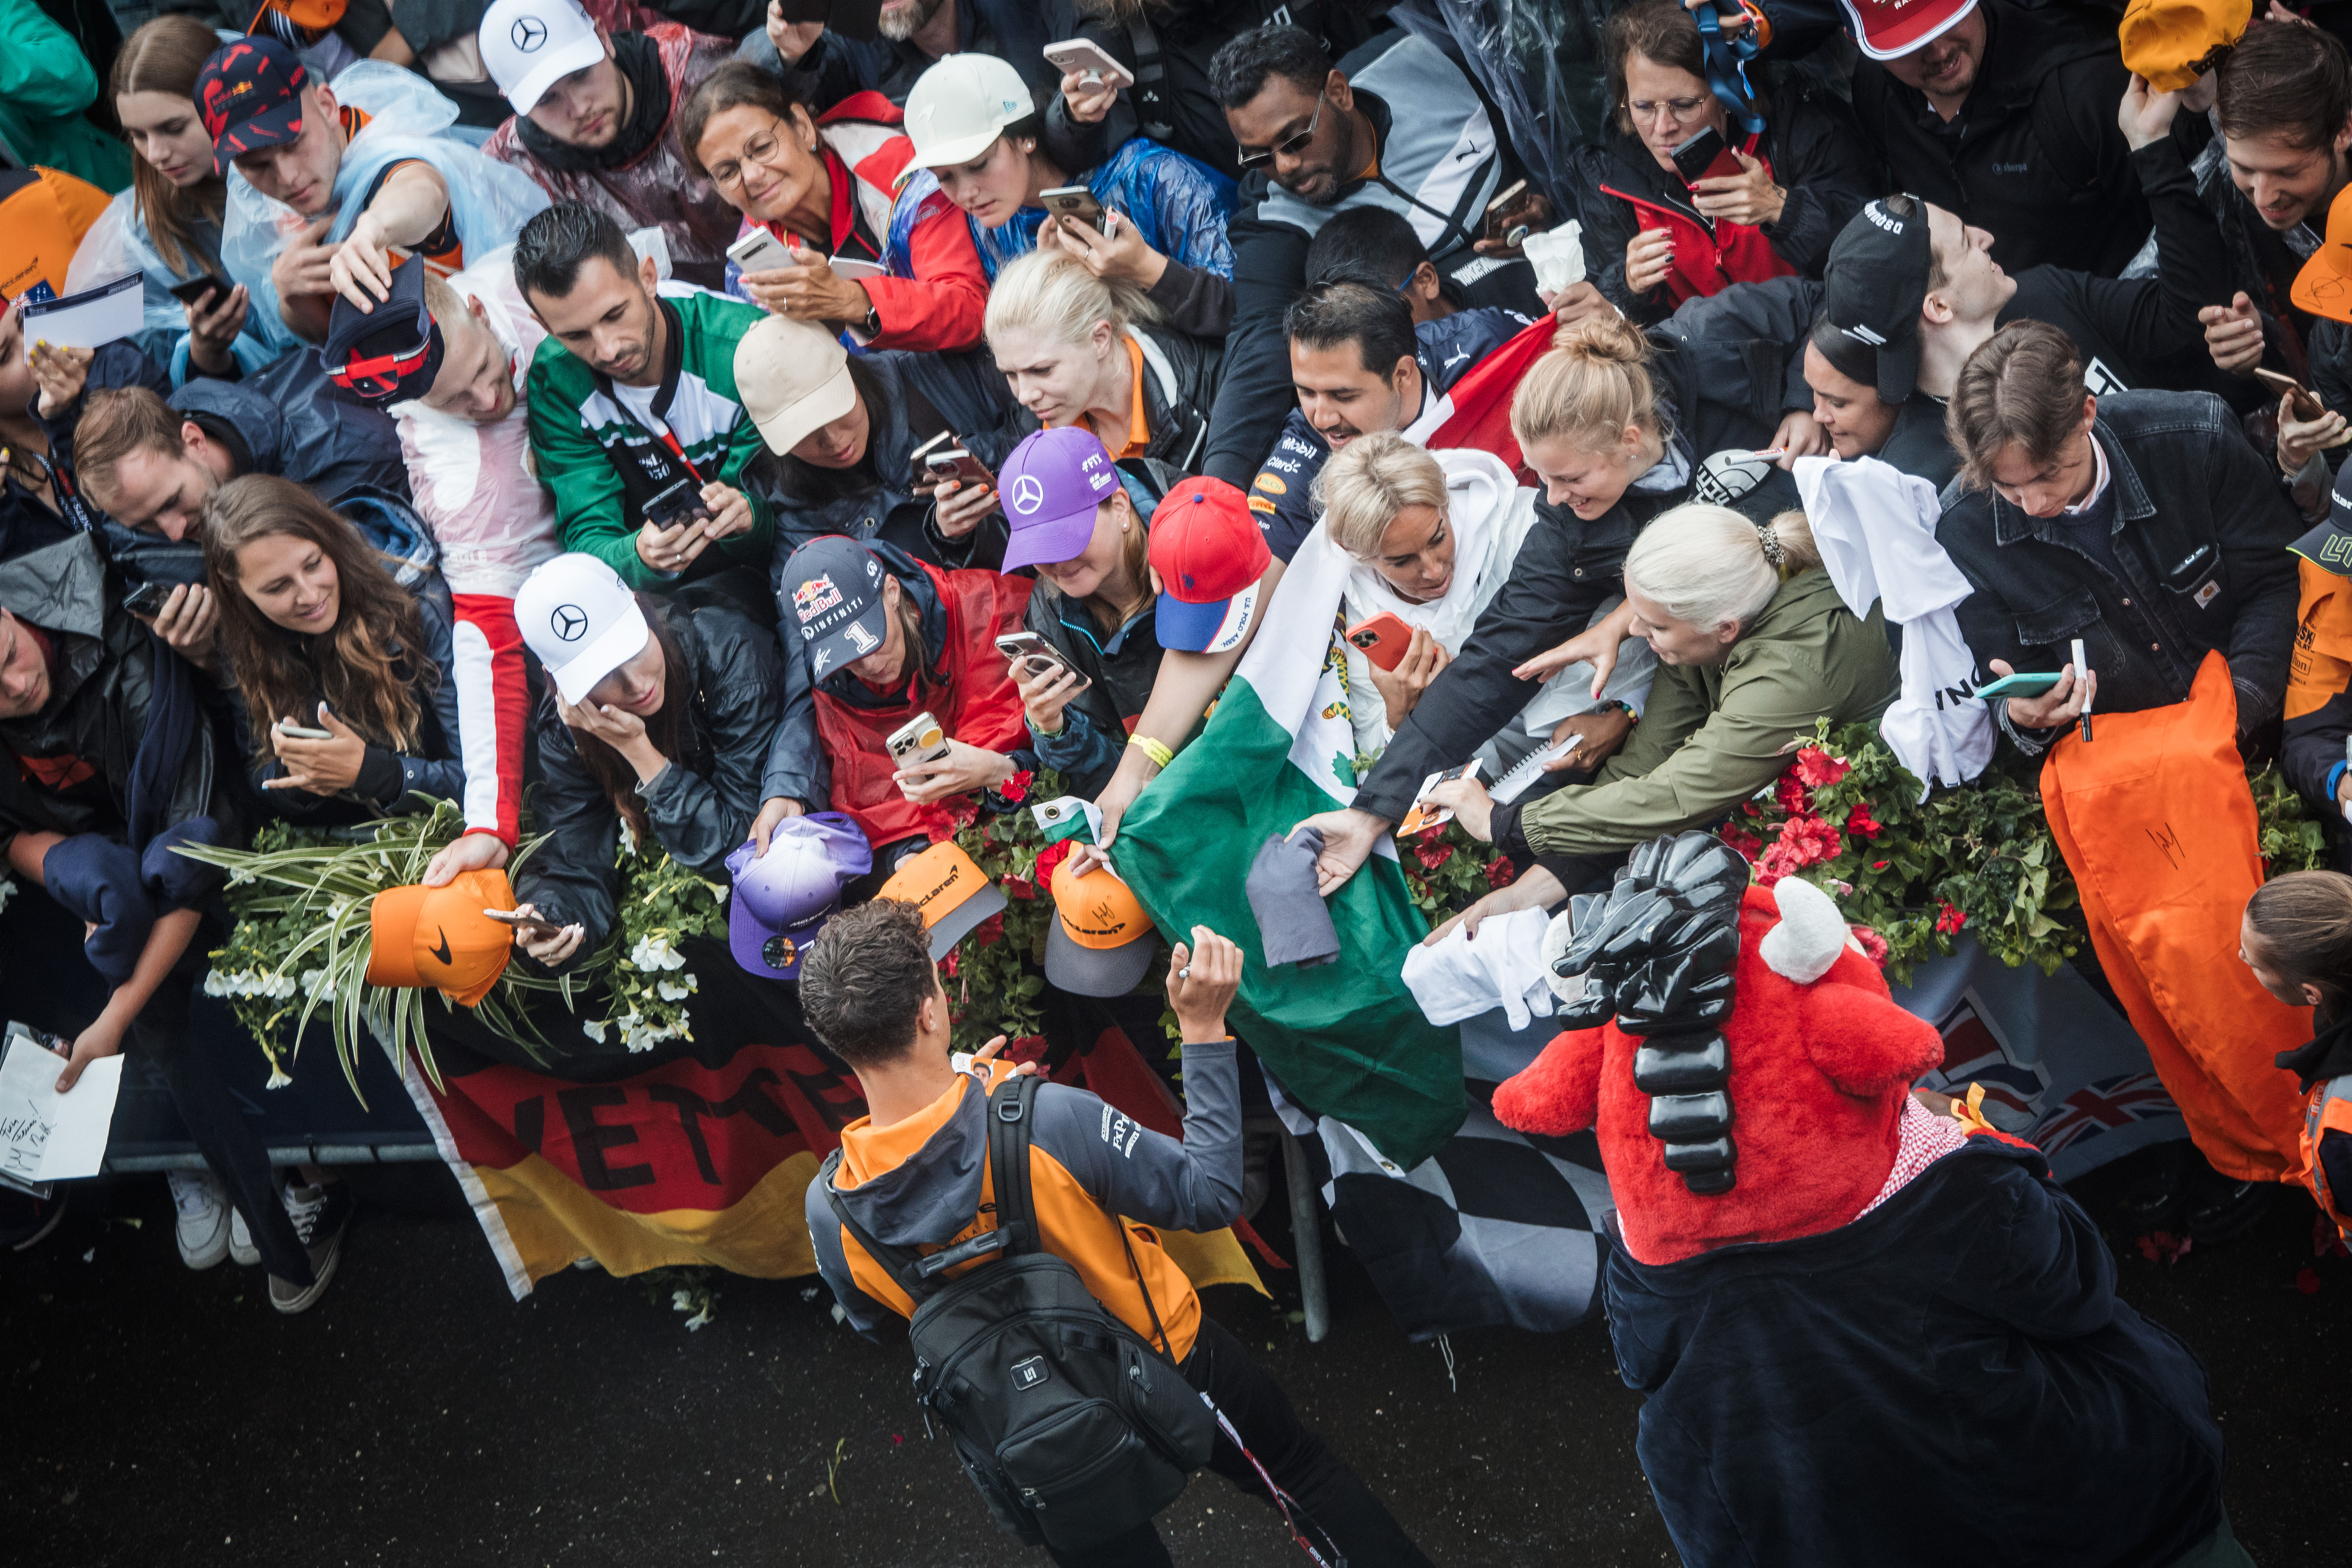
[[700, 806], [2201, 531]]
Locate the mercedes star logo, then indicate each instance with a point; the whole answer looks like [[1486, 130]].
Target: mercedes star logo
[[1028, 495], [528, 33], [569, 621]]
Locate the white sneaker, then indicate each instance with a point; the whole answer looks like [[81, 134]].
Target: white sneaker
[[240, 1240], [203, 1218]]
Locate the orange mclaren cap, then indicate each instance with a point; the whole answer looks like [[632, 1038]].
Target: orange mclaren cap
[[1100, 941], [2324, 286], [952, 890], [439, 936]]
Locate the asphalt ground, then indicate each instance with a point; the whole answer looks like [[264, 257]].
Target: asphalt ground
[[418, 1416]]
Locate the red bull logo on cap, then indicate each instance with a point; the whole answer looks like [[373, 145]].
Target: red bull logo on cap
[[815, 597]]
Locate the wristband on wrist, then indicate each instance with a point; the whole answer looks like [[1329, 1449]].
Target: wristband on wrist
[[1160, 755]]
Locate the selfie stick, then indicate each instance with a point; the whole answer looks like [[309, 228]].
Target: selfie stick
[[2083, 674]]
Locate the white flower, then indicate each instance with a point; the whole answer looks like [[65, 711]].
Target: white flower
[[313, 980], [698, 1319], [594, 1028], [671, 991], [278, 1078], [654, 952], [213, 984]]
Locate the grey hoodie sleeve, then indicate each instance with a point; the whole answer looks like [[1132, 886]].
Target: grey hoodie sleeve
[[1149, 1176], [861, 1311]]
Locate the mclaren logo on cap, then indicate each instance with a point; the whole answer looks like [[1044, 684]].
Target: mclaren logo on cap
[[1028, 495], [568, 622], [528, 33]]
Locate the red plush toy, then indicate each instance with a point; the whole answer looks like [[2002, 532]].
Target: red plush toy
[[1820, 1061]]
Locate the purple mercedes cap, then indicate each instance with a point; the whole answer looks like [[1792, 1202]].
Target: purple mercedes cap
[[783, 898], [1049, 489]]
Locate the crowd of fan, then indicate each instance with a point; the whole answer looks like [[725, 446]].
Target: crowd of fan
[[661, 409]]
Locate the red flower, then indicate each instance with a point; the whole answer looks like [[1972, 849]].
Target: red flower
[[1818, 769], [990, 932], [1432, 853], [1873, 946], [1861, 824], [1019, 886], [1950, 918], [1879, 865], [1791, 797], [1812, 840], [1028, 1048], [1015, 790], [961, 810], [1049, 861], [1749, 808], [1748, 844], [1778, 860], [1502, 873], [948, 965]]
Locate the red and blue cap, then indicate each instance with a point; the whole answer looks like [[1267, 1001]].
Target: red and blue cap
[[1050, 489], [1209, 554], [249, 93]]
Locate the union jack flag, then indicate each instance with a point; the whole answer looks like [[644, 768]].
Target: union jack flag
[[2102, 1107]]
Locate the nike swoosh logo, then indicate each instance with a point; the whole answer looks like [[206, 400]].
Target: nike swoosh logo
[[442, 952]]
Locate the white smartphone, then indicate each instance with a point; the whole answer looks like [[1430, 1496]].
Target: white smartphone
[[291, 731], [759, 251], [1086, 56], [856, 271]]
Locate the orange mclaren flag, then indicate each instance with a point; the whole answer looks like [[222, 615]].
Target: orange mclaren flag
[[2157, 823]]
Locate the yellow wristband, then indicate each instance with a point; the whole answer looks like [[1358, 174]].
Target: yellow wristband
[[1160, 755]]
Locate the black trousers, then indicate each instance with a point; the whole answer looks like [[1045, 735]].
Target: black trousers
[[1321, 1485], [225, 1139]]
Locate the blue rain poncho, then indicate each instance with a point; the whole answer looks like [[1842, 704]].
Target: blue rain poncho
[[488, 201], [1179, 204]]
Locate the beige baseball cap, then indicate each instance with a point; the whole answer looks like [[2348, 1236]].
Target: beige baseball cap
[[793, 379], [961, 105]]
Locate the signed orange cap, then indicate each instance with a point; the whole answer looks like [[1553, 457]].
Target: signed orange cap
[[2174, 42], [439, 936], [2324, 286], [1100, 941], [952, 890]]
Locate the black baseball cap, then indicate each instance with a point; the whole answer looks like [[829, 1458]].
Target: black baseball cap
[[836, 595], [389, 354], [250, 93], [1871, 292], [2329, 546]]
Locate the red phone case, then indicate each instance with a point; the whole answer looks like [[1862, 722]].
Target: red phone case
[[1383, 639]]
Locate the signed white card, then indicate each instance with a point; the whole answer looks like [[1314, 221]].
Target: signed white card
[[46, 1136]]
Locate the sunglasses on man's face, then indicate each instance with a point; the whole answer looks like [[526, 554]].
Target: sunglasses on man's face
[[1289, 147]]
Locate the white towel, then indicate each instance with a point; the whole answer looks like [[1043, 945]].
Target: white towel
[[1459, 978]]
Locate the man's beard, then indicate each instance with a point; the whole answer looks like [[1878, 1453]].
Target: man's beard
[[905, 23]]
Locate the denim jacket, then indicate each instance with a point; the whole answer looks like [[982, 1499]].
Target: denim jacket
[[2201, 530]]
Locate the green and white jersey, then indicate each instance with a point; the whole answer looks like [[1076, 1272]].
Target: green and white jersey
[[606, 450]]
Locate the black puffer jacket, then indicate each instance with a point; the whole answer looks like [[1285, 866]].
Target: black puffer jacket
[[909, 398], [1816, 156], [700, 806], [71, 762]]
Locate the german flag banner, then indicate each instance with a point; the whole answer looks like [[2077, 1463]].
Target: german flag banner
[[697, 1152]]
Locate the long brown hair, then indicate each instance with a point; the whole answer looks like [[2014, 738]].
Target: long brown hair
[[165, 56], [666, 729], [353, 667]]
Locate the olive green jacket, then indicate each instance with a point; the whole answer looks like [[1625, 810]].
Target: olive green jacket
[[1711, 736]]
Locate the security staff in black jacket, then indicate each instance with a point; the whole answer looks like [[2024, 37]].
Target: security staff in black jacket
[[2141, 523]]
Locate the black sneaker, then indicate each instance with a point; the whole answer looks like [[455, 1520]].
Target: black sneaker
[[25, 1221], [2220, 1209], [2156, 1202], [320, 1214]]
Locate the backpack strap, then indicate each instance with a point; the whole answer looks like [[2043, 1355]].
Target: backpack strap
[[1150, 94], [1009, 1121], [906, 1268]]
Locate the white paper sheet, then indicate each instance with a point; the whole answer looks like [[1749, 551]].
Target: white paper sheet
[[46, 1136], [91, 319]]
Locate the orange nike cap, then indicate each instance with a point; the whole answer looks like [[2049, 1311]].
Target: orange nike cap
[[1100, 941], [952, 890], [439, 936]]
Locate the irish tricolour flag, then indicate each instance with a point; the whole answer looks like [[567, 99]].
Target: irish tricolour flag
[[1345, 1038]]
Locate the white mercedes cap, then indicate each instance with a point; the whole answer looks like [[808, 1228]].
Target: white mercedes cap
[[528, 45], [959, 106], [581, 620]]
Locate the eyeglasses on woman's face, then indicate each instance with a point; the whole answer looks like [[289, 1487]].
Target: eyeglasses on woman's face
[[1289, 147], [763, 148], [1681, 111]]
